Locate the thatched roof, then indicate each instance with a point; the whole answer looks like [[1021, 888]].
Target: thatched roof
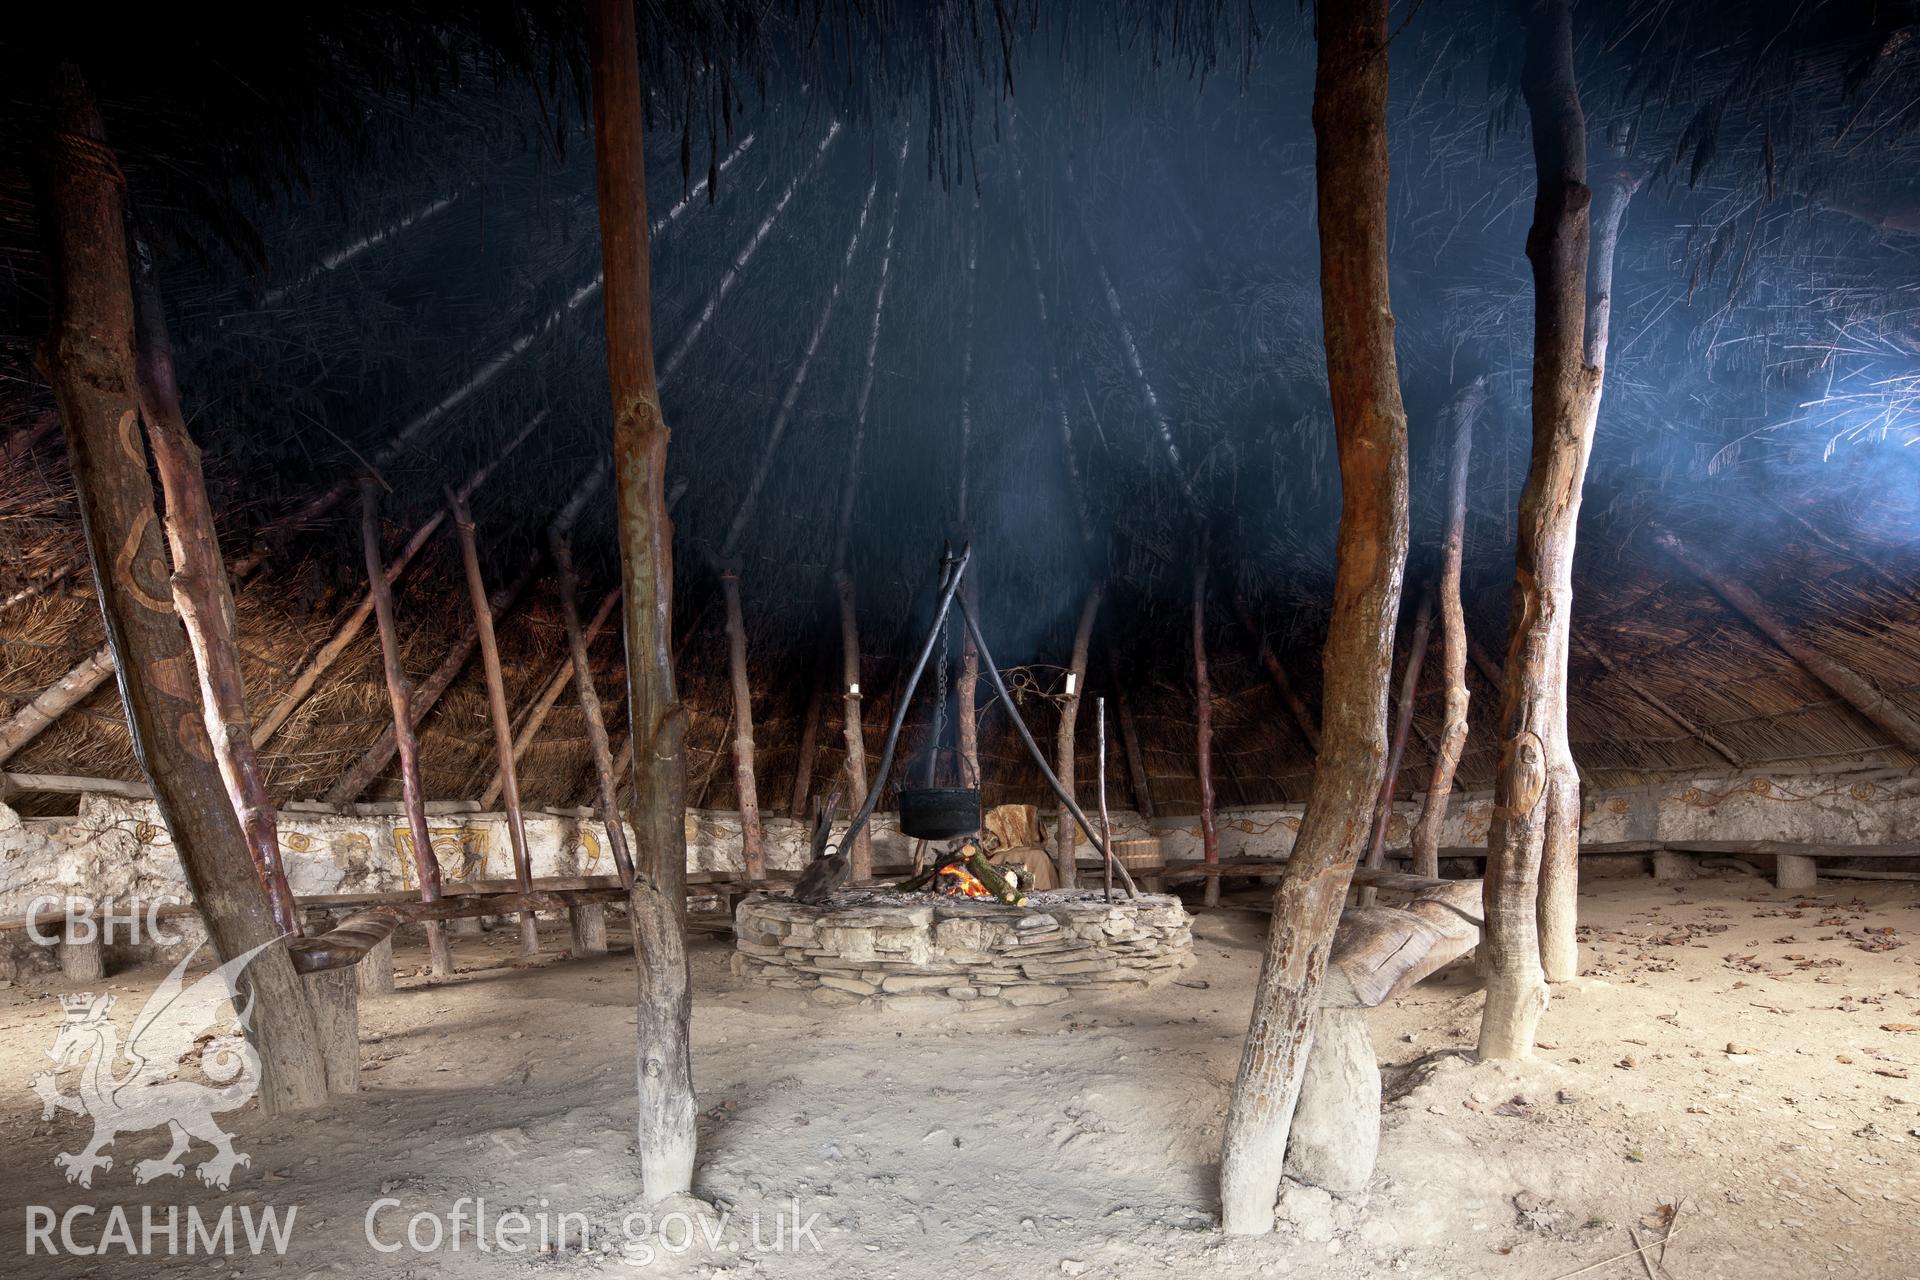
[[406, 202]]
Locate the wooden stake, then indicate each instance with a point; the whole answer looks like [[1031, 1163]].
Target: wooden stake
[[1289, 696], [1203, 725], [88, 360], [1397, 745], [1370, 426], [753, 848], [496, 710], [666, 1141], [349, 627], [809, 747], [1130, 741], [607, 781], [1106, 823], [535, 716], [426, 864], [861, 856], [1065, 842], [376, 758], [1425, 842]]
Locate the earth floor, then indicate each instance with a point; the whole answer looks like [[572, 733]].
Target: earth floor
[[1738, 1068]]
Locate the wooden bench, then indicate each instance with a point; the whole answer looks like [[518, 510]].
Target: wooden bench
[[1795, 864]]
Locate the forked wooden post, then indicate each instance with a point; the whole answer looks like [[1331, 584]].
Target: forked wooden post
[[201, 592], [88, 360]]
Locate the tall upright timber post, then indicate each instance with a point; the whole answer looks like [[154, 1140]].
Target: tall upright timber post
[[1533, 847], [665, 1005], [1370, 429], [88, 358]]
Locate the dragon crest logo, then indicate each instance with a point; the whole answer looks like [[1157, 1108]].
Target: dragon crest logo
[[135, 1087]]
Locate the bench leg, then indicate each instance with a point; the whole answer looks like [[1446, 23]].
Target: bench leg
[[1792, 871], [1335, 1138], [589, 921], [1672, 866], [465, 926], [375, 970], [83, 961], [334, 995], [529, 934]]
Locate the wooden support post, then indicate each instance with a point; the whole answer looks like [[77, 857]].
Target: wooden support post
[[375, 970], [1668, 865], [1854, 689], [83, 961], [1425, 841], [589, 925], [334, 996], [1289, 696], [400, 695], [664, 1009], [1065, 840], [496, 709], [1203, 725], [429, 692], [1792, 871], [348, 629], [201, 592], [753, 846], [88, 360], [1397, 745], [1130, 741], [1557, 910], [1536, 790], [861, 856], [608, 782], [809, 746], [1370, 426], [535, 716]]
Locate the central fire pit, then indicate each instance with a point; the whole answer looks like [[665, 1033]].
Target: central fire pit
[[916, 950]]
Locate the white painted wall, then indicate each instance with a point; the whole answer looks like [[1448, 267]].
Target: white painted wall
[[118, 848]]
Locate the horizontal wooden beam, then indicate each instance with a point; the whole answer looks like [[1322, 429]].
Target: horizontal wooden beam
[[62, 784]]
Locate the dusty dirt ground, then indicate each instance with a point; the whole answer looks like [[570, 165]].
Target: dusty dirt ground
[[1746, 1055]]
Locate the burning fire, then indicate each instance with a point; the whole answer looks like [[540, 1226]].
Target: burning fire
[[962, 883]]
